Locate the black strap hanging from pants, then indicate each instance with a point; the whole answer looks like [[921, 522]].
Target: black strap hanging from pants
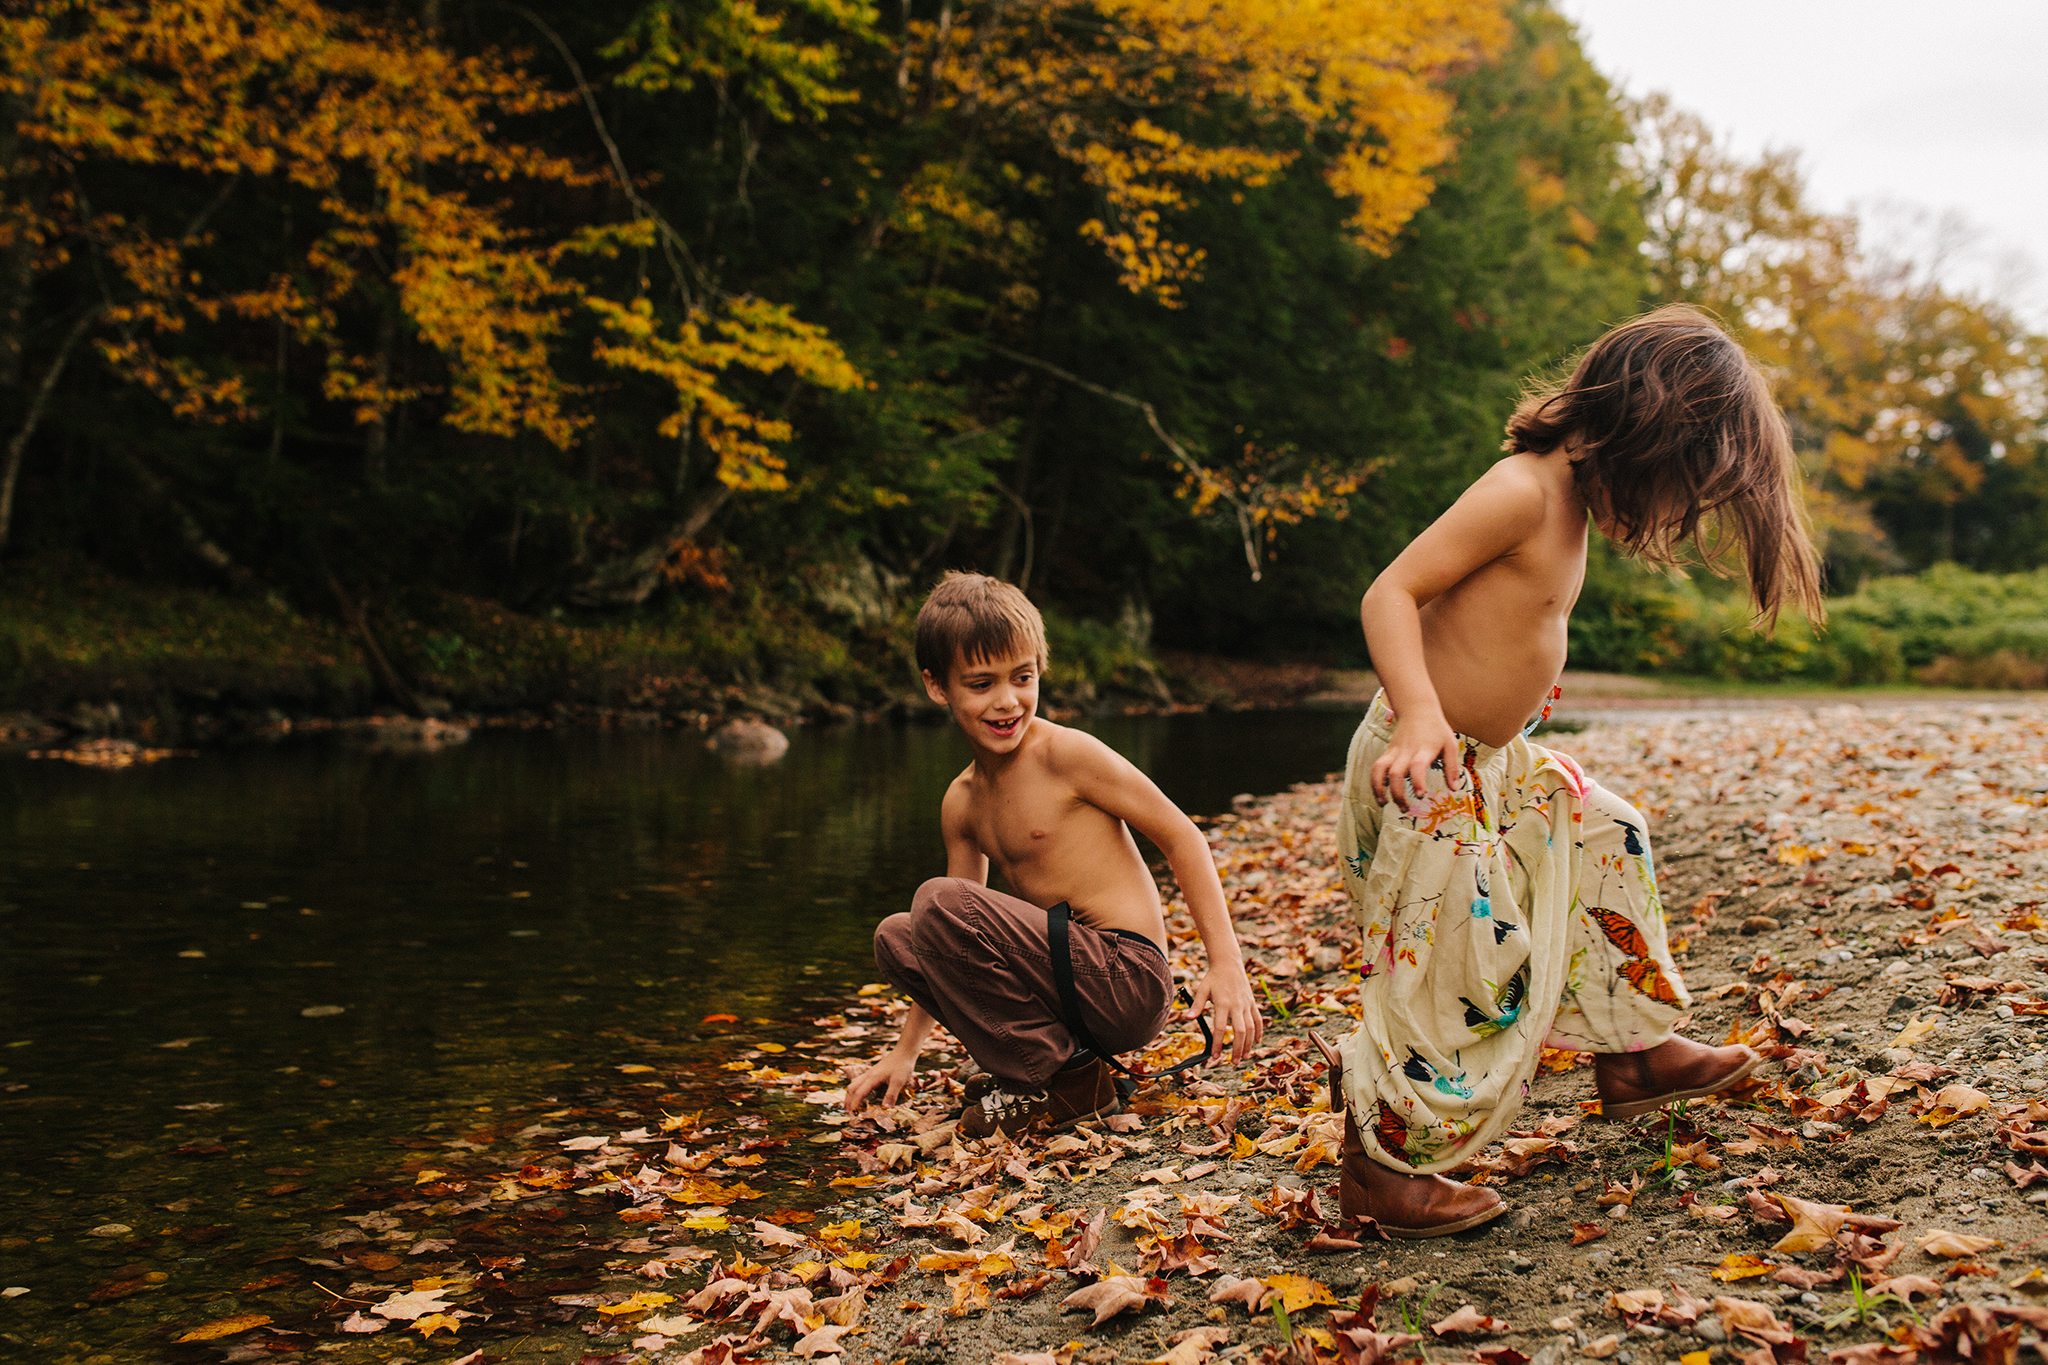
[[1061, 942]]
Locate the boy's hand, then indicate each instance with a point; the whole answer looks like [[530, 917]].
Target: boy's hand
[[895, 1071], [1237, 1011], [1401, 774]]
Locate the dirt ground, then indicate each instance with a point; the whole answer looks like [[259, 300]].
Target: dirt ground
[[1856, 893]]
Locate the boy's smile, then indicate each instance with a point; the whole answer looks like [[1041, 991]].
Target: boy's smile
[[993, 700]]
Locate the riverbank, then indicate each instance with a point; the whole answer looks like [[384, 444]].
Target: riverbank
[[88, 655], [1856, 892]]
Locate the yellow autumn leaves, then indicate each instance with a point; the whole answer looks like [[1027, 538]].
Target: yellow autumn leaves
[[1102, 96]]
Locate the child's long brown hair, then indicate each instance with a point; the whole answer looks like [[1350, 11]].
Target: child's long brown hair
[[1670, 422]]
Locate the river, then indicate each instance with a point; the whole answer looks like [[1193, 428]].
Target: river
[[231, 982]]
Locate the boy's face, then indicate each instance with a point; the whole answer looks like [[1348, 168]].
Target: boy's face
[[992, 699]]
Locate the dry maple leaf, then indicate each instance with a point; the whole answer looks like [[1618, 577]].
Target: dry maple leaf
[[1192, 1347], [1953, 1245], [1253, 1293], [1908, 1287], [1297, 1292], [1752, 1319], [1813, 1225], [1583, 1233], [1114, 1294], [1467, 1319], [1621, 1196], [1951, 1103], [1633, 1305]]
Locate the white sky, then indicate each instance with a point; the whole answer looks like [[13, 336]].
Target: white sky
[[1903, 111]]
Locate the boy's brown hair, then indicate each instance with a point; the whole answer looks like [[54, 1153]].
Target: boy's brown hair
[[973, 618], [1673, 423]]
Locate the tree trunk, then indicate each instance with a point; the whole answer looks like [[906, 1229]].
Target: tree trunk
[[17, 447], [377, 441], [352, 612], [633, 579]]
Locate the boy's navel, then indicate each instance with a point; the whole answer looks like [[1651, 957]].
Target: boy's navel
[[1038, 834]]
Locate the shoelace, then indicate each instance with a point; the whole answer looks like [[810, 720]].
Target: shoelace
[[1000, 1103]]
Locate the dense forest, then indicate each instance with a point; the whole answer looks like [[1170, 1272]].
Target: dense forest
[[645, 351]]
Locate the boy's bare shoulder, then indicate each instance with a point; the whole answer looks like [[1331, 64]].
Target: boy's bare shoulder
[[1068, 752]]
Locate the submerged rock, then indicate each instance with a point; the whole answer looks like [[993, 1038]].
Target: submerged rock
[[749, 741]]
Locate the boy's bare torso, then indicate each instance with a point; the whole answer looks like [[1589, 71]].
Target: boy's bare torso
[[1049, 843], [1494, 642]]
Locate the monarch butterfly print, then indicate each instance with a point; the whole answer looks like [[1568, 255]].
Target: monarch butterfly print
[[1621, 931], [1393, 1133], [1640, 970], [1647, 977]]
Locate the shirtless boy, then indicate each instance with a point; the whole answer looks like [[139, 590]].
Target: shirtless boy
[[1052, 809], [1507, 900]]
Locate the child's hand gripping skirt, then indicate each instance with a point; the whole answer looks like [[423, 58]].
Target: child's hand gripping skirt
[[1519, 909]]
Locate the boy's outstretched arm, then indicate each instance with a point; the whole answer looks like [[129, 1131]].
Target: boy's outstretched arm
[[1484, 525], [1108, 781], [893, 1071], [896, 1068]]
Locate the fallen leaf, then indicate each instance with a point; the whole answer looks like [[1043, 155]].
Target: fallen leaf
[[226, 1327], [426, 1324], [1752, 1319], [408, 1306], [1953, 1245], [1467, 1319], [1192, 1347], [1114, 1294], [1913, 1032], [1253, 1293], [1737, 1267], [1813, 1225], [1583, 1233], [1297, 1292]]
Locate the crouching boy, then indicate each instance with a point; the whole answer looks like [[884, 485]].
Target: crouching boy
[[1053, 809]]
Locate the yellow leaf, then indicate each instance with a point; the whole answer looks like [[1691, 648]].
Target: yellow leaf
[[429, 1323], [857, 1260], [634, 1069], [873, 988], [1242, 1148], [226, 1327], [1695, 1358], [1914, 1032], [857, 1182], [639, 1303], [842, 1231], [427, 1177], [770, 1047], [1297, 1292], [737, 1066], [707, 1223], [1734, 1267]]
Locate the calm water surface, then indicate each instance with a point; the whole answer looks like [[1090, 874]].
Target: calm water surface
[[475, 922]]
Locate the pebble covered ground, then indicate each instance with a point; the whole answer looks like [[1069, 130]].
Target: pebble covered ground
[[1859, 894]]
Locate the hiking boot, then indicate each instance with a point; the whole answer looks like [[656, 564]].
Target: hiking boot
[[1631, 1084], [1072, 1096], [1411, 1207]]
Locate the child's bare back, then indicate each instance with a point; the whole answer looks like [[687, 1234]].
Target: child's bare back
[[1037, 816]]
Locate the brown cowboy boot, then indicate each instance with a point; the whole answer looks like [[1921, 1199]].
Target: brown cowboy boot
[[1635, 1083], [1405, 1206]]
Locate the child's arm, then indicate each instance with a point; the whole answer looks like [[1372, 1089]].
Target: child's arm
[[1486, 524], [897, 1067], [1108, 781]]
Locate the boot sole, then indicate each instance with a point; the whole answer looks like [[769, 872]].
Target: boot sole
[[1446, 1229], [1630, 1109]]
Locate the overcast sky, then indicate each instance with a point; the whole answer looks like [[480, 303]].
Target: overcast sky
[[1900, 110]]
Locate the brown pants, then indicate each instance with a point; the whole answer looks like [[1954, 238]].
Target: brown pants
[[980, 963]]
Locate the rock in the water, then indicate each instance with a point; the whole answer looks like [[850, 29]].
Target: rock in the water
[[749, 741]]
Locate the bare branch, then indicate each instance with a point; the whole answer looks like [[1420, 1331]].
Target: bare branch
[[1244, 517]]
